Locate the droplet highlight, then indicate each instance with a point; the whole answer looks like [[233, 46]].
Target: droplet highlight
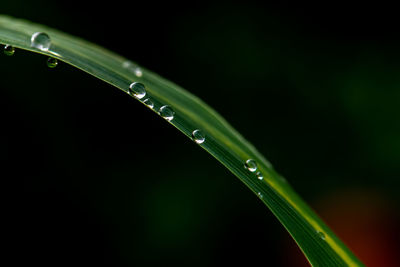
[[127, 64], [260, 195], [321, 235], [167, 112], [148, 103], [137, 90], [282, 179], [41, 41], [259, 176], [138, 72], [251, 165], [198, 136], [52, 62], [132, 68], [9, 50]]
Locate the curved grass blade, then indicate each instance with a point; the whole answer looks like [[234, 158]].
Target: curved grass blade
[[188, 113]]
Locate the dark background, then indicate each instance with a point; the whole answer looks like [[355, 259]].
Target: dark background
[[91, 176]]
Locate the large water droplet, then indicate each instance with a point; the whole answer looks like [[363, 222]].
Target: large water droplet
[[41, 41], [167, 113], [52, 62], [251, 165], [148, 103], [137, 90], [9, 50], [259, 176], [198, 136]]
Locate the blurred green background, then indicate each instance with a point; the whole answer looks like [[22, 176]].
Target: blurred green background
[[92, 176]]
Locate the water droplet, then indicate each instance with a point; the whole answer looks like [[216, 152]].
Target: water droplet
[[282, 179], [269, 165], [9, 50], [52, 62], [138, 72], [132, 67], [127, 64], [148, 103], [260, 195], [321, 235], [251, 165], [41, 41], [259, 176], [137, 90], [198, 136], [167, 113]]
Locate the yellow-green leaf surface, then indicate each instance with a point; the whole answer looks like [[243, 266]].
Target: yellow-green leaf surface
[[316, 240]]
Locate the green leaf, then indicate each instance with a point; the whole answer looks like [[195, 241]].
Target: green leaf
[[316, 240]]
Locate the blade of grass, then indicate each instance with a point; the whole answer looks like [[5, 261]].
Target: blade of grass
[[315, 239]]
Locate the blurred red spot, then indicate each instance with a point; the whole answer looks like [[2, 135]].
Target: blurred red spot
[[365, 221]]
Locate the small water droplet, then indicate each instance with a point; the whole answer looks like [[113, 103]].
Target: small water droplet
[[148, 103], [138, 72], [132, 67], [259, 176], [167, 113], [41, 41], [52, 62], [251, 165], [282, 179], [321, 235], [9, 50], [126, 64], [198, 136], [137, 90], [260, 195]]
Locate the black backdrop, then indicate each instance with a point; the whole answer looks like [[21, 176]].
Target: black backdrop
[[91, 176]]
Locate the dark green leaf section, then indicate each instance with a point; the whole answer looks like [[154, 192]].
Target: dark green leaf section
[[316, 240]]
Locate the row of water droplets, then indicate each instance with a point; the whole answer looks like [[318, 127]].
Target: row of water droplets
[[40, 41], [251, 166], [138, 90]]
